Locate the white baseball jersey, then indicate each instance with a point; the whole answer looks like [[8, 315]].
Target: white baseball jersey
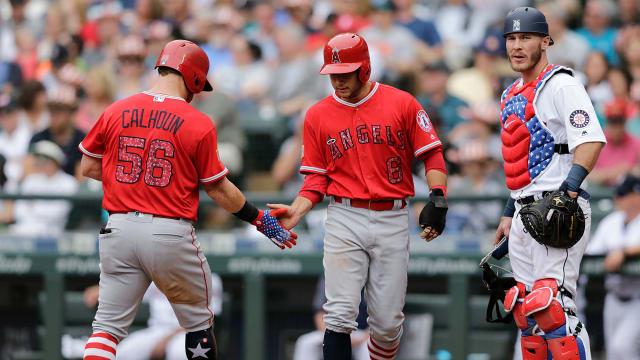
[[613, 234], [563, 106]]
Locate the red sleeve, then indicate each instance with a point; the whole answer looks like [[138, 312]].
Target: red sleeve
[[313, 161], [422, 135], [93, 143], [434, 160], [314, 187], [207, 159]]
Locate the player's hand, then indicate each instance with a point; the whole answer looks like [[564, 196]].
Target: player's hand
[[503, 229], [565, 187], [289, 220], [433, 216], [267, 223], [614, 260]]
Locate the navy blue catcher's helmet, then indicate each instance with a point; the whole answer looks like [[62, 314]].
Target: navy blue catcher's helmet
[[526, 20]]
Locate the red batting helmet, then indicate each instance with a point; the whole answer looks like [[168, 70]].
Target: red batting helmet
[[346, 53], [190, 61]]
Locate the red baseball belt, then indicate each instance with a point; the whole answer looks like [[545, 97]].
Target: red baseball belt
[[376, 205]]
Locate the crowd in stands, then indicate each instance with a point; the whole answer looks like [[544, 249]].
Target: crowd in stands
[[63, 62]]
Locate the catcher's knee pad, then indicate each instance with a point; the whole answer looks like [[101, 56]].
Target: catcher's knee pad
[[543, 306], [201, 344], [513, 304], [533, 348]]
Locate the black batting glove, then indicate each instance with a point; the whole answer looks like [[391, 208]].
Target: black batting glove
[[434, 213]]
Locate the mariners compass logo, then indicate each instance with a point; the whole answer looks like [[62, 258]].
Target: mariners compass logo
[[335, 58], [516, 25]]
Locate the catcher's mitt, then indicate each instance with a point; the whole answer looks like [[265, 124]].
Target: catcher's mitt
[[556, 220]]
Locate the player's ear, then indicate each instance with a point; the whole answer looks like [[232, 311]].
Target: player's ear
[[546, 40]]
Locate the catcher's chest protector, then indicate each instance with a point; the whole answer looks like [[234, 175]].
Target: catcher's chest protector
[[527, 145]]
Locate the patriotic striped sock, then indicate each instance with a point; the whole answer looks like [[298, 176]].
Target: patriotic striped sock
[[101, 346], [377, 352]]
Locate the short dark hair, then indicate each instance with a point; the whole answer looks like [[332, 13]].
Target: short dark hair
[[28, 93], [164, 71]]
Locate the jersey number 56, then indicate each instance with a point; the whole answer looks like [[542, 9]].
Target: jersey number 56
[[157, 171]]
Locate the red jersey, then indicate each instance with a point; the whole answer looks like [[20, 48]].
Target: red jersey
[[155, 150], [366, 149]]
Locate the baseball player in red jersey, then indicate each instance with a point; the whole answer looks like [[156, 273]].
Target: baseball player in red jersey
[[152, 151], [358, 147]]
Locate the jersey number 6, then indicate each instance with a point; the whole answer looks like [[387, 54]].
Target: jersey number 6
[[158, 170]]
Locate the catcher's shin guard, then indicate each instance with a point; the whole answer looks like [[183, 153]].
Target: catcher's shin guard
[[201, 344], [533, 348], [563, 346]]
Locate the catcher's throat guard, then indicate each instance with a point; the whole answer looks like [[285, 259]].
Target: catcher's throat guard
[[497, 285]]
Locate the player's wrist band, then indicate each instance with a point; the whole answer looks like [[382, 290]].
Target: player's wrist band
[[248, 212], [442, 188], [576, 177], [510, 208]]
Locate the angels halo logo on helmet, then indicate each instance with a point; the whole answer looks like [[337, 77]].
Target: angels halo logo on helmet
[[346, 53], [189, 60]]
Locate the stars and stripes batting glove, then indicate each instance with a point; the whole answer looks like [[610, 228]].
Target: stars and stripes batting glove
[[267, 223]]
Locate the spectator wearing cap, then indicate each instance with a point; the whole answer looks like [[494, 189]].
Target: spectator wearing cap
[[132, 75], [397, 45], [62, 105], [425, 30], [431, 93], [597, 29], [482, 82], [622, 152], [32, 99], [617, 239], [14, 142], [569, 48], [44, 218]]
